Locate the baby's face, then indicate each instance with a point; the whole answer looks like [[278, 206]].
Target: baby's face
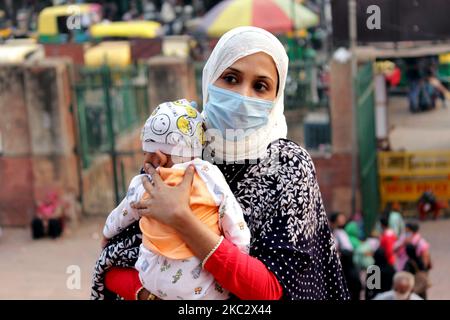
[[158, 159]]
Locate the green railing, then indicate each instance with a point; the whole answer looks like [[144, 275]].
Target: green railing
[[110, 101]]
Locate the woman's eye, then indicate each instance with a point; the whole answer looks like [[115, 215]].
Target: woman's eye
[[261, 86], [230, 79]]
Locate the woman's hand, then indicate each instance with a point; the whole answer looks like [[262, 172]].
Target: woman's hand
[[166, 204], [170, 205]]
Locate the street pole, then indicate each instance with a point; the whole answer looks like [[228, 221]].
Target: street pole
[[294, 36], [353, 66]]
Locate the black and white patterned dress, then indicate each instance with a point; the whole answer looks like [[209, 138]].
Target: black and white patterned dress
[[289, 228]]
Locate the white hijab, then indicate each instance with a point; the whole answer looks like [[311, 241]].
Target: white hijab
[[232, 46]]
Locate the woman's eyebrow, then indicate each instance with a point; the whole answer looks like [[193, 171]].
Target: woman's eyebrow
[[234, 69], [265, 78]]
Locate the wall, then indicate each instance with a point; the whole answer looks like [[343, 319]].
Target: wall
[[37, 129], [170, 78]]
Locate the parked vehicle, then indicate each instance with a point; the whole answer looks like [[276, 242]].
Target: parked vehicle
[[60, 24]]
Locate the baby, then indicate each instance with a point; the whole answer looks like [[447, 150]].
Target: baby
[[166, 265]]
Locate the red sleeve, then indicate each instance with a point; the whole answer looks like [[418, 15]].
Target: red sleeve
[[123, 281], [387, 242], [244, 276]]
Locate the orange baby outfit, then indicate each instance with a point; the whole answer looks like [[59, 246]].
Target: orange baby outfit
[[163, 239]]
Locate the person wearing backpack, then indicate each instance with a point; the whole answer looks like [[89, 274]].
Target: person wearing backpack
[[416, 267]]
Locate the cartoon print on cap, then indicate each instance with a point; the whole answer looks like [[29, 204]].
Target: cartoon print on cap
[[181, 103], [191, 112], [200, 133], [175, 138], [160, 124], [185, 125]]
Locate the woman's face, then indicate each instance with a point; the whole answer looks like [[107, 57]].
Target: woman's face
[[253, 76]]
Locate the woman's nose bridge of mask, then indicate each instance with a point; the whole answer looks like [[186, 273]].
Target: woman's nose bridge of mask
[[245, 88]]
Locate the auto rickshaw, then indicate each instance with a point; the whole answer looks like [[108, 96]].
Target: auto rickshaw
[[444, 68], [111, 53], [60, 24], [5, 30], [115, 48], [126, 30], [18, 51]]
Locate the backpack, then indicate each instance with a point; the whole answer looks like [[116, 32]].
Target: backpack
[[421, 279]]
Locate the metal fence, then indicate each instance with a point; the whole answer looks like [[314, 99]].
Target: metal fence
[[110, 101]]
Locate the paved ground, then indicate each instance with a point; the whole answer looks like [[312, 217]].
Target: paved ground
[[428, 130], [437, 233], [36, 269]]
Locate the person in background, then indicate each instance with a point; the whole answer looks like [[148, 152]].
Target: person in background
[[132, 13], [346, 244], [415, 266], [395, 220], [49, 218], [353, 232], [337, 223], [428, 204], [351, 274], [168, 15], [413, 76], [402, 288], [362, 253], [422, 246], [387, 273], [387, 240], [412, 236]]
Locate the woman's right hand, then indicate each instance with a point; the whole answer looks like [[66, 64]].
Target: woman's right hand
[[161, 205]]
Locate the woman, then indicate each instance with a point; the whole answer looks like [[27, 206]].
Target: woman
[[292, 252]]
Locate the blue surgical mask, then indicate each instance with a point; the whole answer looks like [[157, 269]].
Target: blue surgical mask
[[226, 109]]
